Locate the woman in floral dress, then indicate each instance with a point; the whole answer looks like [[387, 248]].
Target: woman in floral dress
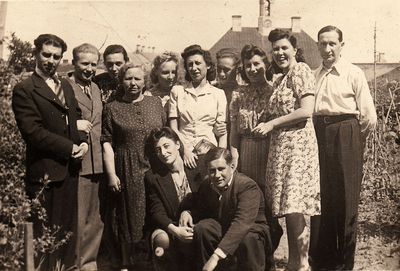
[[293, 166], [127, 124]]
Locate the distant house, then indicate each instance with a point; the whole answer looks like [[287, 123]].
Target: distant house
[[238, 36], [384, 71]]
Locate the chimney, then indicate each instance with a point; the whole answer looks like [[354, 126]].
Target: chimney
[[296, 26], [236, 23], [381, 58], [65, 61], [137, 48]]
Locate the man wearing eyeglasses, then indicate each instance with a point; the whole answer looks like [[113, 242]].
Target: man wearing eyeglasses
[[46, 112]]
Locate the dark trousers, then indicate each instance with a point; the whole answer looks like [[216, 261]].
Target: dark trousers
[[340, 155], [59, 199], [250, 255], [90, 226]]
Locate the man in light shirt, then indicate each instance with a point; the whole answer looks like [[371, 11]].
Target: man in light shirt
[[344, 116], [229, 217]]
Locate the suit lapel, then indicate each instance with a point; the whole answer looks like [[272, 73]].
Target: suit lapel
[[192, 179], [168, 187], [82, 98], [44, 90]]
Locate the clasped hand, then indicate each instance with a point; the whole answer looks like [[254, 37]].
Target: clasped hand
[[79, 151]]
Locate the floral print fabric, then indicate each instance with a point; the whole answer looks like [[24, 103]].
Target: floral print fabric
[[293, 165]]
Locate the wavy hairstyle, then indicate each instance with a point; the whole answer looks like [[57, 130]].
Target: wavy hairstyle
[[197, 50], [161, 59], [49, 39], [167, 132], [248, 51]]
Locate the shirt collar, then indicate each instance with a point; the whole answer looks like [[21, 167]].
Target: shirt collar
[[225, 188], [80, 83], [339, 67], [41, 74], [206, 89]]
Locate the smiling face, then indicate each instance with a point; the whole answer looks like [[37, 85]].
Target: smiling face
[[114, 63], [167, 150], [133, 82], [284, 54], [329, 47], [220, 172], [48, 59], [255, 69], [85, 66], [167, 74], [197, 68], [226, 70]]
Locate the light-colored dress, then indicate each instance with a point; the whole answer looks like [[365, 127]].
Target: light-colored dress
[[197, 111], [247, 109], [293, 165]]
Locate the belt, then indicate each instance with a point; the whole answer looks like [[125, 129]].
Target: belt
[[329, 119]]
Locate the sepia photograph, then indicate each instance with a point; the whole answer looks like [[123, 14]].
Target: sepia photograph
[[199, 135]]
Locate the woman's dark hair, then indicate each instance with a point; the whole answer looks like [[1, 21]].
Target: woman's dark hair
[[279, 34], [216, 153], [49, 39], [248, 51], [197, 50], [229, 52], [115, 49], [167, 132]]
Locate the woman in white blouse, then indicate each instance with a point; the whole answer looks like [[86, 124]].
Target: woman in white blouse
[[197, 107]]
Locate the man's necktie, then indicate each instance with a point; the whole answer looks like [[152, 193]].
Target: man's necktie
[[58, 90], [87, 91]]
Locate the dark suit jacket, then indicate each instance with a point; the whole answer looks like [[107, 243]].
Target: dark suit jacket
[[240, 210], [92, 162], [42, 121], [162, 202]]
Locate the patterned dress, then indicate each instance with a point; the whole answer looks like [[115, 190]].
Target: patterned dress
[[247, 109], [293, 165], [127, 127]]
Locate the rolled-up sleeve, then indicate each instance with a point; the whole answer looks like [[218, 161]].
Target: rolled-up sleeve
[[365, 103]]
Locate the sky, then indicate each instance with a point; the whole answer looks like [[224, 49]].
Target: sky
[[173, 25]]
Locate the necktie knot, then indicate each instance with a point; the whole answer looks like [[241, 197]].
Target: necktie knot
[[87, 91]]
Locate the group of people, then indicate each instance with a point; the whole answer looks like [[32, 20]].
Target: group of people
[[197, 174]]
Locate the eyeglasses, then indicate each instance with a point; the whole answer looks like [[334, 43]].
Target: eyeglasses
[[48, 55]]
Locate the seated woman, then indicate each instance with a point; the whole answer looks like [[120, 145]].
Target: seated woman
[[196, 108], [169, 187]]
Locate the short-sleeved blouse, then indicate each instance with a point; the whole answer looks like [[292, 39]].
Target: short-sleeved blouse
[[197, 110], [248, 107]]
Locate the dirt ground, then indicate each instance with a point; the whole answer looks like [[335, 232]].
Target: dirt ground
[[373, 253]]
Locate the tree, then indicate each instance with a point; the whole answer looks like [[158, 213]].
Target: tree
[[21, 55]]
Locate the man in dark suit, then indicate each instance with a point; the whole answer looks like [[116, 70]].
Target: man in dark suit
[[90, 226], [46, 112], [114, 57], [230, 218]]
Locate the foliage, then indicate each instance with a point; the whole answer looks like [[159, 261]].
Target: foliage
[[379, 214], [21, 55], [15, 207]]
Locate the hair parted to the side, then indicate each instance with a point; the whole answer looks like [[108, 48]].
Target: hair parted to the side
[[49, 39], [197, 50], [159, 60], [279, 34], [330, 28], [248, 51], [216, 153], [84, 48], [115, 49], [167, 132]]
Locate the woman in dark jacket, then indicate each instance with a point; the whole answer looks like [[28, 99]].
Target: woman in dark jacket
[[169, 186]]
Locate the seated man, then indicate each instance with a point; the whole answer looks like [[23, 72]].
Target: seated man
[[230, 218]]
